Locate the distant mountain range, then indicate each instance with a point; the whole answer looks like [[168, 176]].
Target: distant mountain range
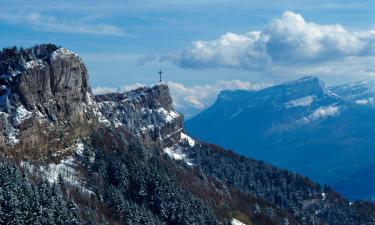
[[362, 93], [327, 134]]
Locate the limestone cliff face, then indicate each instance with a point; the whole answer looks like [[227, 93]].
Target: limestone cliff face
[[46, 105], [145, 112]]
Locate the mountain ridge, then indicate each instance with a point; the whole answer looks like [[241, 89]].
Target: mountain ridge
[[294, 125]]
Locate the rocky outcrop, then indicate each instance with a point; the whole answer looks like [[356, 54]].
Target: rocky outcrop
[[45, 105], [147, 113]]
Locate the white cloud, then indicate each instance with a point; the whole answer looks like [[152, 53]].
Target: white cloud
[[103, 90], [125, 88], [132, 87], [230, 50], [291, 38], [191, 100], [287, 40], [47, 23]]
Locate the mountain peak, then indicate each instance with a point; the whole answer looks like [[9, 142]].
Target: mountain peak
[[295, 89], [307, 82]]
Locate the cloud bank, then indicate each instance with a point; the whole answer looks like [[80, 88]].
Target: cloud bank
[[288, 40]]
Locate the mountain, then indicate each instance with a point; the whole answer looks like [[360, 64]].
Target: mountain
[[69, 157], [300, 125], [362, 93]]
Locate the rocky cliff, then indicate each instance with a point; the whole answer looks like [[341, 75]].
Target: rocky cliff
[[47, 104]]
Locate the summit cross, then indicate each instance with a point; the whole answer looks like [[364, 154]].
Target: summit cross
[[160, 73]]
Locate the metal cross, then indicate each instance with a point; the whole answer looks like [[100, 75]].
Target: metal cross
[[160, 73]]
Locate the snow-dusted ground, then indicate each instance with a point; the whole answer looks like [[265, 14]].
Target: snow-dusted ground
[[67, 169]]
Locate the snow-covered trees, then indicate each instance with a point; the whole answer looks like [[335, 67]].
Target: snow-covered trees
[[27, 201]]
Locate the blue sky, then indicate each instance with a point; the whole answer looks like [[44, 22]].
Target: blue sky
[[126, 42]]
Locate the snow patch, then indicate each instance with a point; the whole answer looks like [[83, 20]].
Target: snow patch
[[66, 168], [322, 113], [303, 102], [33, 63], [21, 114], [12, 136], [188, 139], [99, 115], [176, 153], [332, 94], [368, 101], [117, 123], [236, 222], [149, 127], [168, 116], [324, 196], [64, 53]]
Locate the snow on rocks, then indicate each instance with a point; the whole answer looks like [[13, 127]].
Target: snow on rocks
[[168, 116], [321, 113], [302, 102], [187, 138], [176, 153], [64, 53], [21, 114], [12, 136], [34, 63], [95, 107]]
